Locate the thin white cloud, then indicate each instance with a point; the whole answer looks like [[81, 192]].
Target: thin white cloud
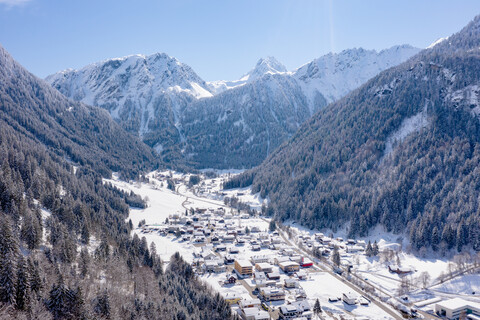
[[11, 3]]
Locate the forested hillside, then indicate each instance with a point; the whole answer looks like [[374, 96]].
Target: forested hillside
[[66, 251], [402, 151]]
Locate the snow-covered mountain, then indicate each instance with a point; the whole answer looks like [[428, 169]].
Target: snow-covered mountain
[[221, 124], [336, 74], [146, 94], [239, 127], [264, 66]]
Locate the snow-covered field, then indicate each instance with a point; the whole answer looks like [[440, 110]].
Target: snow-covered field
[[163, 203]]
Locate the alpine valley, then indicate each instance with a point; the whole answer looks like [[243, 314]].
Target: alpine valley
[[132, 189]]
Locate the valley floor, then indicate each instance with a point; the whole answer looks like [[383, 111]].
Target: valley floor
[[378, 292]]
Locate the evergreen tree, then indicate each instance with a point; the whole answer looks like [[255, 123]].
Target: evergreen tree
[[435, 238], [8, 256], [78, 303], [462, 235], [375, 249], [157, 266], [85, 235], [369, 249], [60, 301], [35, 281], [336, 256], [22, 288], [31, 231], [102, 305], [272, 226], [317, 309], [102, 252], [84, 262]]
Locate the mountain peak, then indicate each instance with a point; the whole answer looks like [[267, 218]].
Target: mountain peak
[[336, 74], [268, 65]]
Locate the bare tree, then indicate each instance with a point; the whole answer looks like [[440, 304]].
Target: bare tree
[[424, 279], [404, 286]]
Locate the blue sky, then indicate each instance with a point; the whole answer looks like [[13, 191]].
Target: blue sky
[[218, 39]]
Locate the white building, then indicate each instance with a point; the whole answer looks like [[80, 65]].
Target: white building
[[259, 259], [349, 298], [254, 314], [453, 309]]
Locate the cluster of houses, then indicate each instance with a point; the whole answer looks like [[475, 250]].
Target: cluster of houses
[[325, 245], [219, 237]]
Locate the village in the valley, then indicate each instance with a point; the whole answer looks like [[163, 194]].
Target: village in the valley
[[268, 270]]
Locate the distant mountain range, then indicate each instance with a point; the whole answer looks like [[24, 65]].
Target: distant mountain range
[[221, 124], [402, 151]]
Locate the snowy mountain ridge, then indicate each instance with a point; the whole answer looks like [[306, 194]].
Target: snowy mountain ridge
[[264, 66], [336, 74], [173, 109], [133, 86]]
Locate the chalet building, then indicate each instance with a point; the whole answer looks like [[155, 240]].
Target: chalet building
[[263, 236], [355, 248], [260, 283], [221, 248], [290, 283], [233, 250], [296, 258], [318, 236], [208, 255], [254, 314], [228, 238], [277, 240], [279, 260], [232, 298], [258, 275], [272, 294], [289, 252], [259, 259], [325, 241], [362, 243], [255, 229], [301, 275], [250, 303], [300, 294], [240, 242], [264, 267], [349, 298], [289, 266], [399, 270], [275, 275], [228, 259], [265, 243], [216, 266], [199, 239], [296, 310], [231, 279]]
